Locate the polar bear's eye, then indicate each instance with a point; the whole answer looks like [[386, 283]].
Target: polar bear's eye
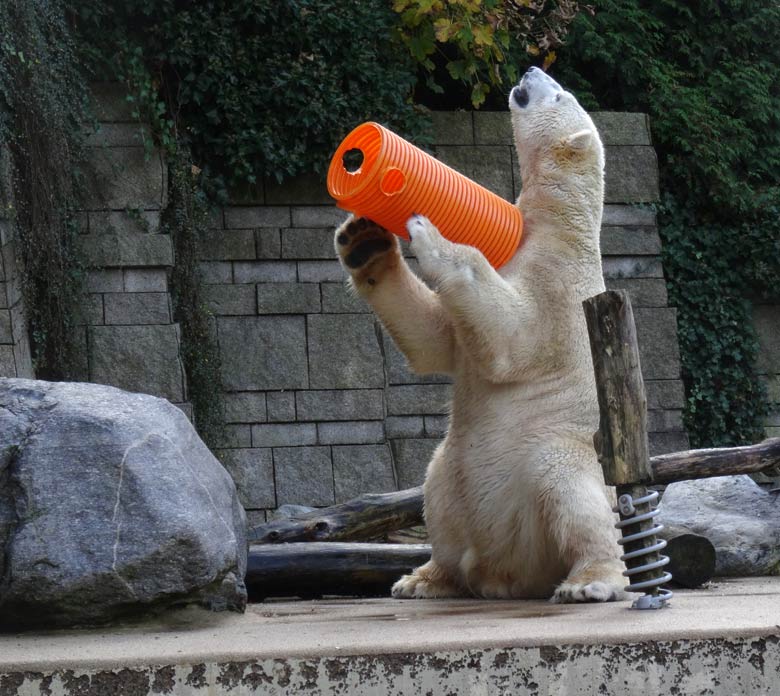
[[558, 97]]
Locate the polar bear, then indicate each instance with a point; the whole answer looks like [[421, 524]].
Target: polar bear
[[515, 501]]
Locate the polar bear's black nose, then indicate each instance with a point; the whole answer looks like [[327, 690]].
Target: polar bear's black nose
[[520, 96]]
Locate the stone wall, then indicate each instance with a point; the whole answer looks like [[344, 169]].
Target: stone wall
[[319, 403], [130, 339]]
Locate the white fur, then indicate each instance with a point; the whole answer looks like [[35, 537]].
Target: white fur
[[514, 497]]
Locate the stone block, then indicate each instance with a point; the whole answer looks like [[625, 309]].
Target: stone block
[[665, 393], [284, 434], [452, 127], [3, 296], [138, 359], [288, 298], [622, 127], [254, 518], [630, 241], [436, 426], [260, 353], [234, 436], [344, 352], [186, 409], [766, 321], [398, 370], [6, 335], [317, 216], [414, 399], [404, 426], [307, 243], [105, 280], [230, 300], [122, 222], [136, 308], [411, 460], [145, 280], [227, 245], [628, 215], [119, 135], [630, 174], [281, 406], [306, 189], [123, 177], [659, 353], [632, 267], [7, 361], [265, 272], [252, 471], [216, 272], [665, 421], [111, 102], [351, 432], [321, 272], [268, 243], [106, 250], [493, 128], [643, 292], [664, 443], [304, 476], [772, 385], [246, 217], [245, 407], [362, 469], [338, 298], [339, 405], [488, 165]]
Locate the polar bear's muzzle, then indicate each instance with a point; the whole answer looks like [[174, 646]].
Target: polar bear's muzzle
[[535, 83]]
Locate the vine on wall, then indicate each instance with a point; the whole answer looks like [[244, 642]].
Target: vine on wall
[[43, 112], [709, 76]]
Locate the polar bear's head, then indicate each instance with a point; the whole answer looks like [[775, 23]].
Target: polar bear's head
[[553, 133]]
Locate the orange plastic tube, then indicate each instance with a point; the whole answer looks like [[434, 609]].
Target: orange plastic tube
[[396, 180]]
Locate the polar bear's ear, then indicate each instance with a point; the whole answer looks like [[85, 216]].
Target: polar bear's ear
[[580, 140]]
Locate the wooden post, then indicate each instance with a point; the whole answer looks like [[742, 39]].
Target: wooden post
[[621, 441]]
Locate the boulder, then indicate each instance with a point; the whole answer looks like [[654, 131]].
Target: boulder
[[741, 519], [110, 505]]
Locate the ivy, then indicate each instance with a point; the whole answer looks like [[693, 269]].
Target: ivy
[[709, 76], [481, 43], [43, 123], [256, 88]]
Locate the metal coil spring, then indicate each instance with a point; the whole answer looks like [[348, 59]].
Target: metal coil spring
[[627, 507]]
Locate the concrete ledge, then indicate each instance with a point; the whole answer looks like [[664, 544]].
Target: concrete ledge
[[721, 640]]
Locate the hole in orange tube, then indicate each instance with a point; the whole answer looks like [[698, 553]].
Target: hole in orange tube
[[352, 160], [393, 181]]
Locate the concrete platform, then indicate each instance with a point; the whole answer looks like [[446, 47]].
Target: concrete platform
[[721, 640]]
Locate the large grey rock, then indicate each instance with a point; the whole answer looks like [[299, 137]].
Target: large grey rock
[[110, 505], [741, 519]]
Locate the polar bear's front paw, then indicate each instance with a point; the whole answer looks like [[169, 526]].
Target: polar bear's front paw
[[366, 249], [433, 252], [567, 593]]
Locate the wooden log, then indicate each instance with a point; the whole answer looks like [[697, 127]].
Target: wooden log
[[721, 461], [621, 441], [315, 569], [367, 517], [379, 514], [691, 559]]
